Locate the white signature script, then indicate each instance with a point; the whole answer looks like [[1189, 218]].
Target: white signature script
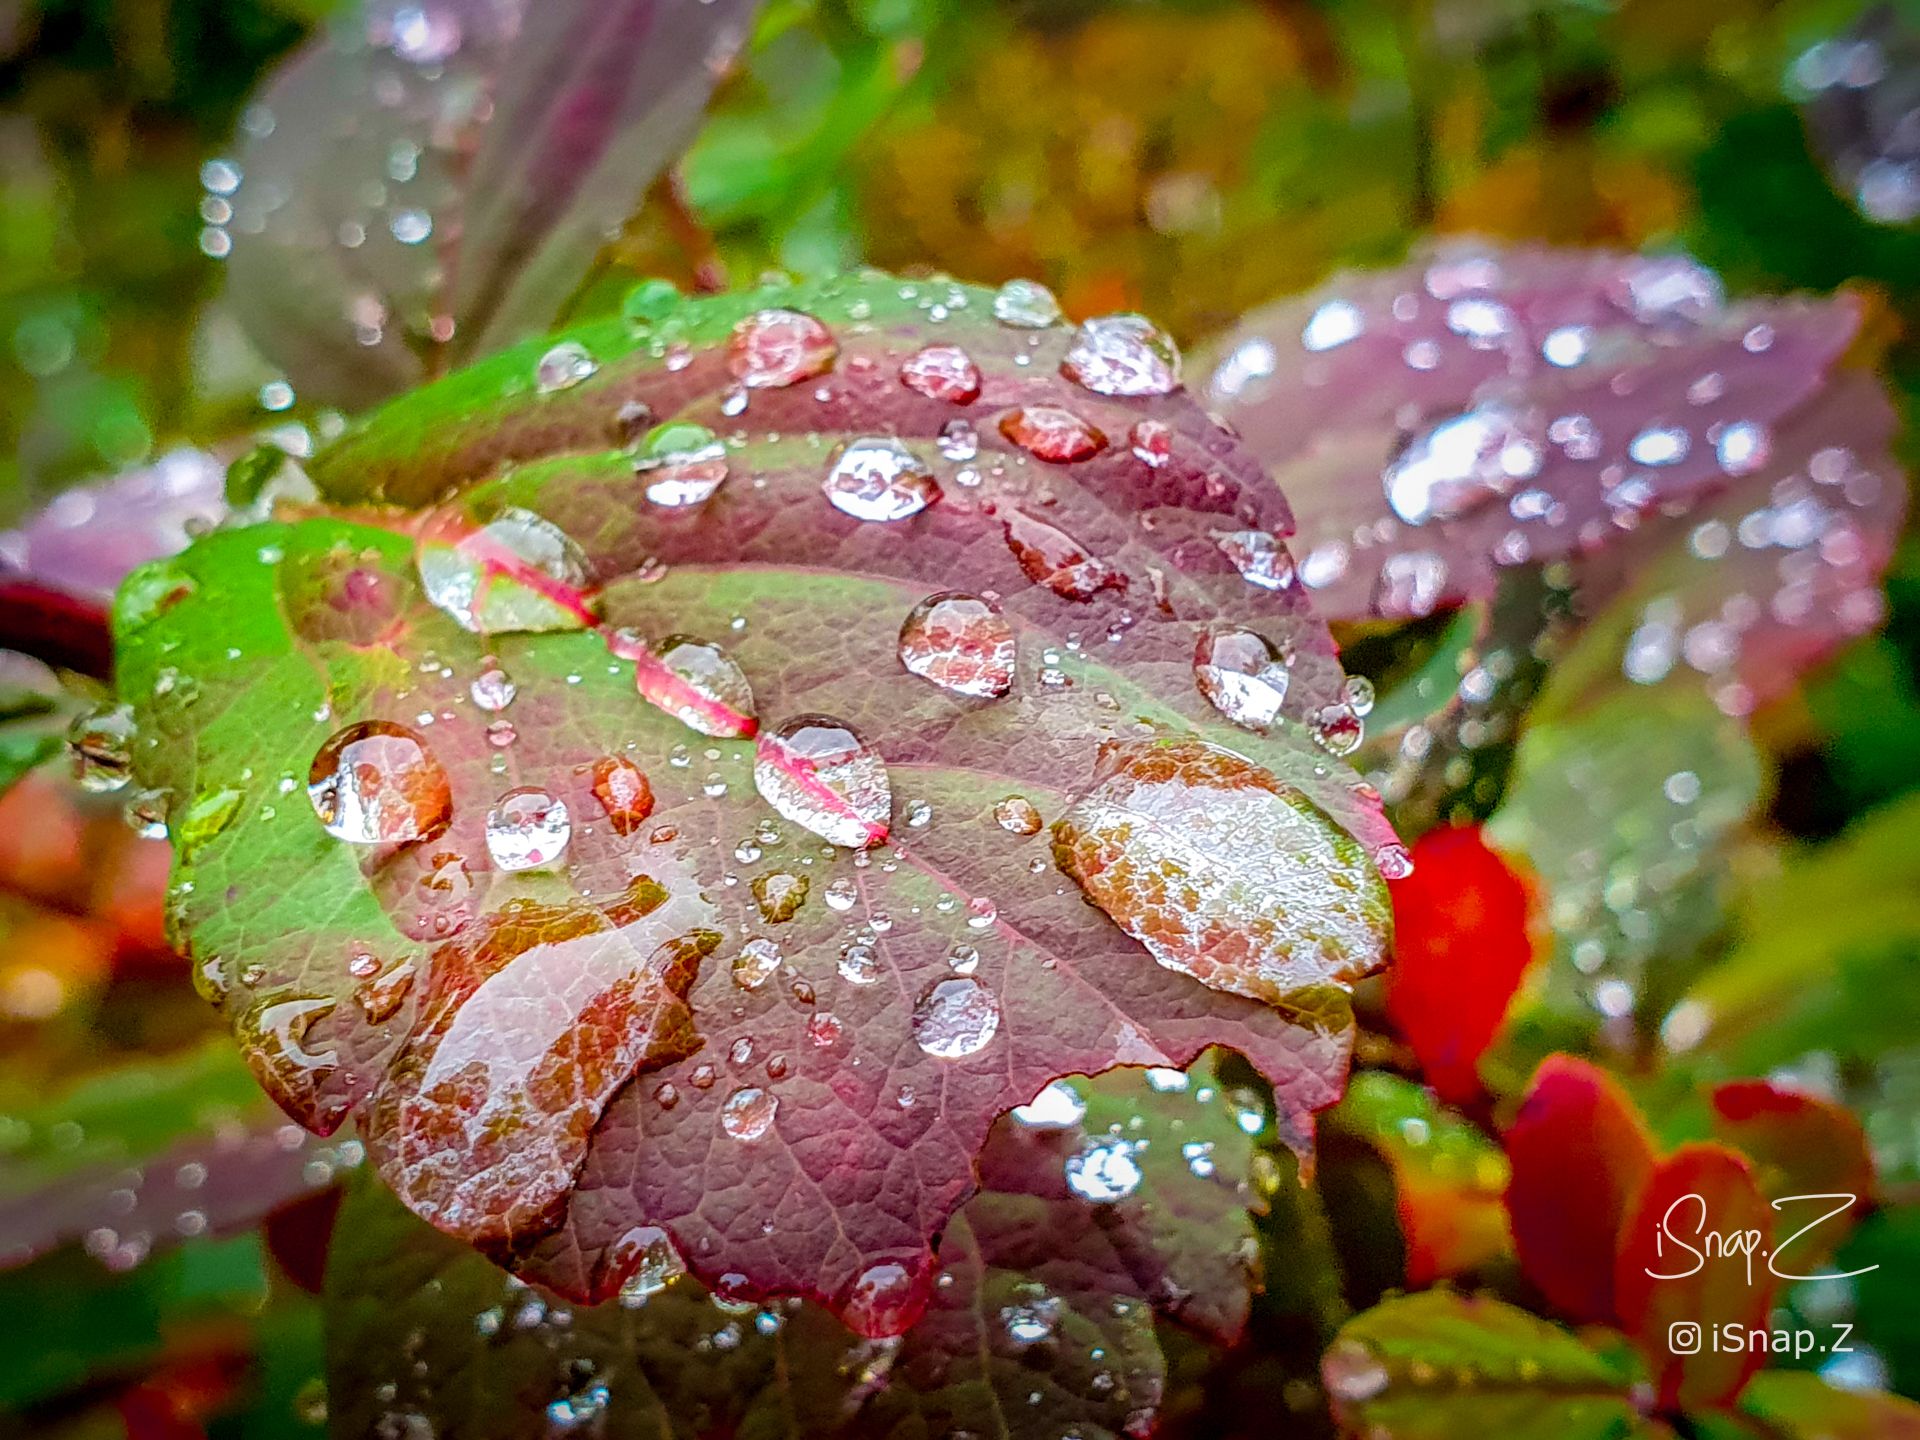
[[1703, 1243]]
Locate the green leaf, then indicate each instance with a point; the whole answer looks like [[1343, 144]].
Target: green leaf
[[1441, 1366], [1799, 1406]]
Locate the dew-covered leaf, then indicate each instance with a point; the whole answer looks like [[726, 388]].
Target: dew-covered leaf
[[1580, 1156], [696, 801], [1463, 937], [426, 183], [1441, 1366], [1486, 408], [1662, 783], [1042, 1318]]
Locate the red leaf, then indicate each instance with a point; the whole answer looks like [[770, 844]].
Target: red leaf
[[887, 957], [1580, 1155], [1672, 1273], [1462, 940], [1800, 1145]]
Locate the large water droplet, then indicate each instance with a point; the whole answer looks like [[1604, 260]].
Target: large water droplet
[[886, 1298], [1333, 324], [681, 464], [955, 1017], [1025, 304], [376, 783], [1017, 816], [819, 774], [1242, 676], [563, 367], [748, 1112], [1053, 558], [880, 479], [1221, 870], [961, 643], [1258, 556], [758, 962], [624, 793], [518, 572], [1461, 463], [1352, 1372], [772, 348], [1122, 355], [942, 372], [528, 828], [695, 682], [101, 744], [1052, 434]]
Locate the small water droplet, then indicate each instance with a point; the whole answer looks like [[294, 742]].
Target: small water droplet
[[695, 682], [492, 690], [942, 372], [101, 744], [1017, 816], [1462, 462], [1122, 355], [774, 348], [1104, 1172], [758, 961], [779, 895], [622, 789], [961, 643], [880, 479], [563, 367], [517, 572], [376, 783], [527, 828], [1241, 675], [818, 773], [955, 1017], [1052, 434], [681, 464], [1026, 305], [748, 1112]]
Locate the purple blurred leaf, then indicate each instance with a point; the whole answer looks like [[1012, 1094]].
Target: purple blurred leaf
[[60, 567], [1481, 409], [88, 539], [1860, 94], [431, 180]]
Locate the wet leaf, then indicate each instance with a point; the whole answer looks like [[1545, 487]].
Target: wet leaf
[[1669, 1273], [1663, 783], [427, 183], [1441, 1366], [1042, 1315], [1463, 937], [1483, 409], [833, 951], [1581, 1156]]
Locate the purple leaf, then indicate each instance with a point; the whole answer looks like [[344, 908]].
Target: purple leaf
[[430, 181], [1481, 409]]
